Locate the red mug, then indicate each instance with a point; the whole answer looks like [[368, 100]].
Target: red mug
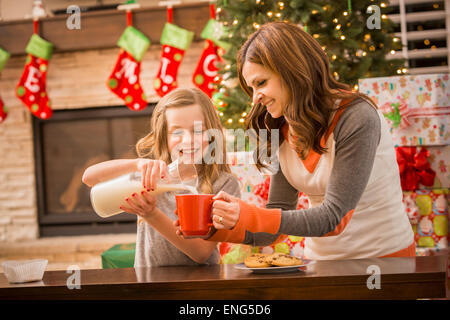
[[194, 213]]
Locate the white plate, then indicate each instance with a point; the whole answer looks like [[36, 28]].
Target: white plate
[[242, 266]]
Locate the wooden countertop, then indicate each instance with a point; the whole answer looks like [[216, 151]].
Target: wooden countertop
[[401, 278]]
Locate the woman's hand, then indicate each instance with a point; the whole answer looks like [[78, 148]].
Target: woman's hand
[[152, 171], [225, 214], [141, 204], [225, 211]]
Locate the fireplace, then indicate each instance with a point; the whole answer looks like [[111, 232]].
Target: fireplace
[[64, 146]]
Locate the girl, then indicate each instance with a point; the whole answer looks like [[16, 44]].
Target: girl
[[178, 130], [335, 147]]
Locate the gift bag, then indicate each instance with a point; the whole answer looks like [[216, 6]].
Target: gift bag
[[119, 256], [431, 229]]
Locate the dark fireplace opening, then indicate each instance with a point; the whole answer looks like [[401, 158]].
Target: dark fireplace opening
[[64, 146]]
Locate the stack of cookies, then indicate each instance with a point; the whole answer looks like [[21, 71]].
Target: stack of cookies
[[264, 260]]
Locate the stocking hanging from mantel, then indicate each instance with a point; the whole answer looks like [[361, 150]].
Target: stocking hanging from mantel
[[31, 89], [205, 76], [175, 41], [124, 79], [4, 56]]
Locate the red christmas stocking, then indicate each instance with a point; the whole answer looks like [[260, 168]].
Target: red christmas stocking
[[31, 87], [3, 111], [124, 79], [4, 56], [206, 70], [175, 41]]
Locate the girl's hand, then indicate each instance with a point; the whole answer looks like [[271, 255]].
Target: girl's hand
[[152, 171], [142, 204], [176, 223], [225, 211]]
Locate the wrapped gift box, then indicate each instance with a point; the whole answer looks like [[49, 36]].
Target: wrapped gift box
[[243, 167], [119, 256], [417, 107], [428, 213], [411, 208], [439, 160], [425, 252], [423, 131]]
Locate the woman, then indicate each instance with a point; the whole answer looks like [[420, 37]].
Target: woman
[[335, 147]]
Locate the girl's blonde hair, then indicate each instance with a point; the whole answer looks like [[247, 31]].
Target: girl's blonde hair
[[154, 145], [299, 60]]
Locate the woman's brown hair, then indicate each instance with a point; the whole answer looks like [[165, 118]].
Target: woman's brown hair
[[301, 63], [154, 145]]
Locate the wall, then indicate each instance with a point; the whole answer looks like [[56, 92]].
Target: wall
[[75, 80], [21, 9]]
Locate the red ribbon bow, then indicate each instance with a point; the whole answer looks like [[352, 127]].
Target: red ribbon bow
[[414, 168]]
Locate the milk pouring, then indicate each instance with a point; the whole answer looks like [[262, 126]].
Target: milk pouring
[[107, 197]]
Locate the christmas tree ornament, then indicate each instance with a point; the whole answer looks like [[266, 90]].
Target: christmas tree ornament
[[4, 56], [175, 41], [205, 74], [31, 89], [124, 79], [218, 100]]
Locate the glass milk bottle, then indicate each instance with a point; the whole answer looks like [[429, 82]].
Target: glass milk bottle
[[108, 196]]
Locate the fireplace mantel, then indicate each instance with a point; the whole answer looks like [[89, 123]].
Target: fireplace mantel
[[101, 30]]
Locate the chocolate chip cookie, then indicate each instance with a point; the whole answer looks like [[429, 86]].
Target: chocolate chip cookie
[[282, 260], [257, 260]]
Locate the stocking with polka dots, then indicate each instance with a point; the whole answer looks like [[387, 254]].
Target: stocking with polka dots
[[124, 79], [205, 76], [31, 89], [4, 56], [124, 82], [175, 42], [3, 111]]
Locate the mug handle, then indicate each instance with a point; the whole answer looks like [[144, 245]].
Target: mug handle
[[211, 224]]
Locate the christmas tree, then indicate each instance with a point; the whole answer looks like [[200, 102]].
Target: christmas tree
[[355, 42]]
